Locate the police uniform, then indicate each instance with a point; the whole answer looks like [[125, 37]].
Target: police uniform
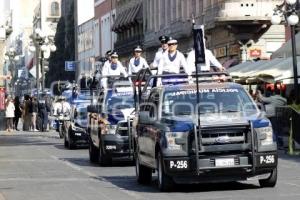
[[112, 69], [171, 62], [136, 64], [210, 60], [163, 39]]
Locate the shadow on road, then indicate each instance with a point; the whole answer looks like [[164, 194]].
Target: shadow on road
[[129, 183], [284, 156], [20, 140]]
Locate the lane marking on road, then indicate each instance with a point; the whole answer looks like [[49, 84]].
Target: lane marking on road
[[73, 166], [26, 160], [292, 184], [46, 180], [96, 178]]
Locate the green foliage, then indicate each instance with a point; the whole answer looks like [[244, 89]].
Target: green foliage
[[65, 44]]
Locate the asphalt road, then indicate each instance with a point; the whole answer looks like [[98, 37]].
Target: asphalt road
[[35, 166]]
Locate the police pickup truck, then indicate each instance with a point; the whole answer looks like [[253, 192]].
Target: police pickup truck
[[219, 136], [108, 126]]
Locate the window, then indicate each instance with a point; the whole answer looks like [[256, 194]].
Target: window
[[54, 8]]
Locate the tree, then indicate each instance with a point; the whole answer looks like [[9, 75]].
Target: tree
[[65, 49]]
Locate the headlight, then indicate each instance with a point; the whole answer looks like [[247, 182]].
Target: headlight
[[76, 128], [171, 139], [111, 129], [265, 134]]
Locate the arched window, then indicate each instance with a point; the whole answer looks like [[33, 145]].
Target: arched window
[[54, 8]]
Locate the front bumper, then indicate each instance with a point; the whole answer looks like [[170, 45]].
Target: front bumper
[[117, 147], [79, 137], [184, 169]]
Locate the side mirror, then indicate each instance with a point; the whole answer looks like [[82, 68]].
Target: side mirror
[[144, 118], [260, 106]]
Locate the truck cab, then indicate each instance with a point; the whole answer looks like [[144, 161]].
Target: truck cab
[[109, 124], [210, 133]]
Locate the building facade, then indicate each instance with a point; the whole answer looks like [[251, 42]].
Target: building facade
[[128, 27], [18, 17], [236, 30], [105, 16], [84, 38]]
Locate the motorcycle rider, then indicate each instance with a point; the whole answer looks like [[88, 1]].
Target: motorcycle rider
[[61, 109], [115, 68], [137, 62]]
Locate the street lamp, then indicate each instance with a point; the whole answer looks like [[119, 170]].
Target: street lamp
[[288, 11], [42, 44], [11, 56]]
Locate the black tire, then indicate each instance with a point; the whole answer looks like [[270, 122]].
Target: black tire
[[271, 181], [60, 131], [104, 160], [143, 173], [71, 144], [93, 152], [66, 144], [165, 183]]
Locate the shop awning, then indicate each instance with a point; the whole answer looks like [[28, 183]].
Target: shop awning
[[227, 64], [241, 70], [286, 50], [126, 18]]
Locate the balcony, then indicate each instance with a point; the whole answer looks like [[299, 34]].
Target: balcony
[[245, 18]]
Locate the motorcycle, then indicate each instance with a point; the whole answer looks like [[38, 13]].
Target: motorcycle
[[61, 120]]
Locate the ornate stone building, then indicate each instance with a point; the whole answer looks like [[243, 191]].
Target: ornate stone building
[[128, 26], [236, 30]]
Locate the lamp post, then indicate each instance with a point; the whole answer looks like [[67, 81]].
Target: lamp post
[[42, 45], [11, 56], [288, 11]]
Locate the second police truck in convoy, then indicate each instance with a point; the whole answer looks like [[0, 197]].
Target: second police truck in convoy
[[109, 122], [219, 136]]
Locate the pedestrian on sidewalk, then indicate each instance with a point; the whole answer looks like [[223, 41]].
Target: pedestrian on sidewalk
[[26, 114], [18, 112], [33, 110], [9, 113]]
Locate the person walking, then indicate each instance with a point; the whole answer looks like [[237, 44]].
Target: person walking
[[33, 110], [26, 114], [9, 114], [18, 112], [43, 114]]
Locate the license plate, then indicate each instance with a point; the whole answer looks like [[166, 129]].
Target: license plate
[[78, 134], [224, 162], [267, 160], [178, 164], [111, 147]]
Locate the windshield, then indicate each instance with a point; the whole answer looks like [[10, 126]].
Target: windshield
[[120, 101], [222, 100], [82, 113]]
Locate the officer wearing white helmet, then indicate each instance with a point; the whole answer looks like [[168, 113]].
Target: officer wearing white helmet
[[164, 48], [115, 68], [210, 60], [172, 60], [61, 106], [137, 62]]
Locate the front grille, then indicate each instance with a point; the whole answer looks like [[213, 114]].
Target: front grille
[[224, 136], [122, 128]]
